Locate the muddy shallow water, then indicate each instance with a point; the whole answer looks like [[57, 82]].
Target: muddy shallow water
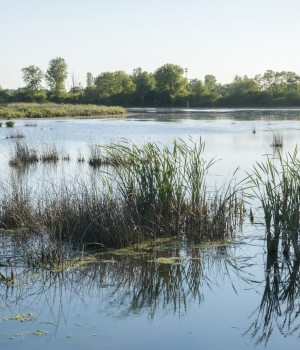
[[170, 295]]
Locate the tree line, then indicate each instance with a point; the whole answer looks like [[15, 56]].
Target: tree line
[[166, 87]]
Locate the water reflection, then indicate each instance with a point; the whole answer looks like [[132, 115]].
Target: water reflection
[[148, 280], [279, 309]]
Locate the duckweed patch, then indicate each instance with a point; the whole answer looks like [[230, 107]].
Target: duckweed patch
[[169, 261], [40, 332], [20, 317]]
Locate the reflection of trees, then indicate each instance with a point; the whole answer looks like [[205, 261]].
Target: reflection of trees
[[280, 305], [131, 283]]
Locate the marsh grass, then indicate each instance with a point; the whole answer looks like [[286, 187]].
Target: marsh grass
[[277, 140], [156, 191], [52, 110], [10, 124], [119, 154], [30, 124], [22, 154], [16, 135], [49, 154], [276, 183]]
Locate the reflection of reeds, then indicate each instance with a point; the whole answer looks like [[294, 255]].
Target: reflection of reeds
[[132, 281], [15, 135], [279, 307]]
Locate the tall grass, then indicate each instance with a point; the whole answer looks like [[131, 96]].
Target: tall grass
[[22, 154], [155, 191], [277, 140], [276, 183], [52, 110], [10, 124]]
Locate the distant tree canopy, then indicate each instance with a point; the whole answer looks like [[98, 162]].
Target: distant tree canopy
[[166, 87]]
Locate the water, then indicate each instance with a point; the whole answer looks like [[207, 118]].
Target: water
[[213, 297]]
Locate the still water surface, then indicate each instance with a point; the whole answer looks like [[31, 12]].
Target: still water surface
[[223, 296]]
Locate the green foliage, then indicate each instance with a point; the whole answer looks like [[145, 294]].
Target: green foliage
[[10, 124], [145, 85], [32, 76], [49, 110], [109, 84], [56, 75], [276, 183], [90, 81], [169, 77], [167, 86]]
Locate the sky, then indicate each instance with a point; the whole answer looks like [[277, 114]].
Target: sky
[[220, 37]]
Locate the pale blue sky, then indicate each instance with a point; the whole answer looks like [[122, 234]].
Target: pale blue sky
[[220, 37]]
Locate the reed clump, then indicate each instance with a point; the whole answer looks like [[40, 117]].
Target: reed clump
[[156, 191], [10, 124], [49, 154], [22, 154], [52, 110], [16, 135], [276, 183], [277, 141]]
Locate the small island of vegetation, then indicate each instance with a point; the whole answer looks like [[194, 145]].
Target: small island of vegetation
[[55, 110]]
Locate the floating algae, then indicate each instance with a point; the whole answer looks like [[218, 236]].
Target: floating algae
[[20, 317], [39, 332]]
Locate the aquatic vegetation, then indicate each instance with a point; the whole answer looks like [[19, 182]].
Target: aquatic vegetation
[[20, 317], [30, 124], [22, 154], [39, 332], [276, 183], [277, 140], [10, 124], [16, 135], [155, 191], [51, 110], [49, 154]]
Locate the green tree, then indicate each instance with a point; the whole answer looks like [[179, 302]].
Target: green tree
[[279, 83], [243, 85], [90, 81], [110, 84], [32, 76], [169, 77], [145, 85], [56, 75]]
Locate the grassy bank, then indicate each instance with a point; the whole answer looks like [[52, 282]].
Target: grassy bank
[[52, 110]]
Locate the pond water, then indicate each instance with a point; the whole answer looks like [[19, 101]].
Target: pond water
[[166, 296]]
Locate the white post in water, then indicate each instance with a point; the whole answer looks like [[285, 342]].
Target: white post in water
[[186, 77]]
